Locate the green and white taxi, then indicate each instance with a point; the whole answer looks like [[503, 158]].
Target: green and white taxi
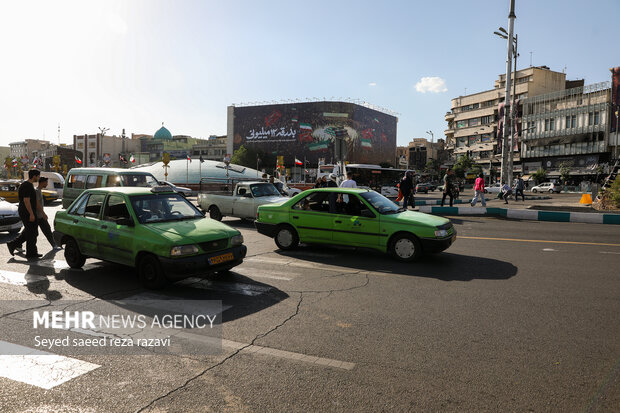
[[154, 230], [354, 217]]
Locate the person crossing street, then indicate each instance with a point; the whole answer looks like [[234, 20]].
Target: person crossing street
[[479, 191], [27, 212]]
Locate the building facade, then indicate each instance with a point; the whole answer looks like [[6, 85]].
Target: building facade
[[26, 148], [102, 150], [474, 119], [212, 149], [568, 127]]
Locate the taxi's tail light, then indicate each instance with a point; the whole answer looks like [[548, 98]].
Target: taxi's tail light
[[257, 214]]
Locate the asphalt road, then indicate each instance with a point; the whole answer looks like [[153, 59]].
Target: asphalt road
[[515, 316]]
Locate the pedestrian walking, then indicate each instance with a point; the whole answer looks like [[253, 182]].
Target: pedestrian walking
[[479, 191], [519, 187], [42, 219], [406, 188], [27, 212], [448, 190], [318, 183]]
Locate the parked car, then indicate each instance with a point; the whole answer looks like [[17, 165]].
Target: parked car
[[354, 217], [286, 190], [80, 179], [155, 230], [9, 217], [547, 187], [423, 188], [178, 189], [8, 190], [493, 189], [242, 203]]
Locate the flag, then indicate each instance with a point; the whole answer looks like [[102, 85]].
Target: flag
[[305, 126], [201, 160], [366, 143], [78, 160], [132, 159], [14, 162], [298, 162], [319, 146], [376, 120], [294, 119], [189, 159]]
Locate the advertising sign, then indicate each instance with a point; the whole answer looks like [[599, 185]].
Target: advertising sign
[[299, 130]]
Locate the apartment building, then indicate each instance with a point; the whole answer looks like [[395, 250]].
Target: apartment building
[[473, 119]]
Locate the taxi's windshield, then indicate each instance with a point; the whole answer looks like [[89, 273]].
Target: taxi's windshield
[[163, 207], [142, 180], [380, 203], [259, 190]]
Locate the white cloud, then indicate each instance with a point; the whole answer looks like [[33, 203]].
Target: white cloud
[[372, 84], [431, 84]]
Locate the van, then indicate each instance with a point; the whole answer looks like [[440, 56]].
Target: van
[[55, 181], [80, 179]]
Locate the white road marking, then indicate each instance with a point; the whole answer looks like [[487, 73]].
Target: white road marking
[[39, 368], [19, 278], [274, 275], [548, 249], [292, 262], [609, 252]]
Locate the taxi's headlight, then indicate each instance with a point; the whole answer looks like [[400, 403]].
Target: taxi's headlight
[[183, 250], [441, 233], [236, 240]]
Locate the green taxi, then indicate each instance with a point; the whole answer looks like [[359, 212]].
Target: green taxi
[[154, 230], [354, 217]]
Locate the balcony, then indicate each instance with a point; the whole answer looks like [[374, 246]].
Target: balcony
[[449, 116]]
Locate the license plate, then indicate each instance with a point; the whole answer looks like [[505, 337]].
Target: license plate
[[218, 259]]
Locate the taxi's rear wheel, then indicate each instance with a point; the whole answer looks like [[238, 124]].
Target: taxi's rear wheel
[[405, 247], [215, 213], [150, 273], [73, 256], [286, 237]]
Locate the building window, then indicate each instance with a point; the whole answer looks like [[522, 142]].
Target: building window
[[549, 124], [80, 145], [474, 122], [485, 120], [596, 118], [590, 119], [461, 124], [92, 144]]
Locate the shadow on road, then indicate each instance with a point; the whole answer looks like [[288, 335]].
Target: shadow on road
[[444, 266], [240, 295]]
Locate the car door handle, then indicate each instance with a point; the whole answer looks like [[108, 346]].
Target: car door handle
[[295, 217], [338, 222], [104, 227]]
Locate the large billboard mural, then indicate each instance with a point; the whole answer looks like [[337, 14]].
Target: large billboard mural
[[304, 130]]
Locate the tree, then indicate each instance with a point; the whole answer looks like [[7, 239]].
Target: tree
[[565, 168], [539, 176], [432, 167], [462, 165], [248, 157]]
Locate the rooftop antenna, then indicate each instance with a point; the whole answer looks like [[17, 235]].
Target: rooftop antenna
[[531, 58], [59, 133]]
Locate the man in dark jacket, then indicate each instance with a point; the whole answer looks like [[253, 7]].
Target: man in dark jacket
[[407, 189], [448, 187], [27, 210]]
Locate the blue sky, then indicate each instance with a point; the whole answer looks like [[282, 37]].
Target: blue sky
[[133, 64]]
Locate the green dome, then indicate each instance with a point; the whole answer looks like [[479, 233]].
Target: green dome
[[163, 133]]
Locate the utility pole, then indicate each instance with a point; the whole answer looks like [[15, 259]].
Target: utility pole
[[506, 175], [103, 130]]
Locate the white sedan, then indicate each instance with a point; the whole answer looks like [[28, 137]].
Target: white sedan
[[493, 189], [9, 218]]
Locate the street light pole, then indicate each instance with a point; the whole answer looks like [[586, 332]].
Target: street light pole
[[506, 175]]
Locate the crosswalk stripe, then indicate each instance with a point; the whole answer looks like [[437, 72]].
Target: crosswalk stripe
[[39, 368], [19, 278], [274, 275]]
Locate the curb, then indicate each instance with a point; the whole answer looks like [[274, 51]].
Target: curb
[[438, 202], [527, 214]]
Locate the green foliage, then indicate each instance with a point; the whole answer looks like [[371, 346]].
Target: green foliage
[[432, 167], [539, 176], [565, 168], [614, 193], [248, 156], [462, 165]]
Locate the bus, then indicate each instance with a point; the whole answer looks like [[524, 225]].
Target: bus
[[382, 180]]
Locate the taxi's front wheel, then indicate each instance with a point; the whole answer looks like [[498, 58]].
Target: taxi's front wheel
[[405, 247], [150, 273], [286, 237], [73, 256]]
